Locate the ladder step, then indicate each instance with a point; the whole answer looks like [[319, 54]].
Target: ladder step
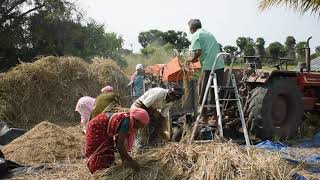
[[223, 87], [209, 105], [227, 87], [228, 99]]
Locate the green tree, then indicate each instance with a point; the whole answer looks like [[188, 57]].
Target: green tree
[[148, 50], [249, 50], [250, 40], [290, 47], [17, 10], [300, 50], [276, 50], [58, 36], [230, 49], [14, 32], [177, 39], [260, 43], [52, 29], [241, 43], [148, 37], [99, 42]]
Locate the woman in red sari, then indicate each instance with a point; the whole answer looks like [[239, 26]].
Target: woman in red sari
[[107, 131]]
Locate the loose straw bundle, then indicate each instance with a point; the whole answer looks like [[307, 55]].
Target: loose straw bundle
[[205, 161]]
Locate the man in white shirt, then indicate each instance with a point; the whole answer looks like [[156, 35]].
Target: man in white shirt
[[157, 102]]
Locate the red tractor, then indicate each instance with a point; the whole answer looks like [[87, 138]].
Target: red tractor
[[275, 101]]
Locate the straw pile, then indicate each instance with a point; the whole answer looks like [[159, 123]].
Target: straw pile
[[206, 161], [76, 131], [181, 161], [45, 143], [50, 88]]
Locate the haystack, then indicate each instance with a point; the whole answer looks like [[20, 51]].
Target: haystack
[[50, 88], [206, 161], [45, 143]]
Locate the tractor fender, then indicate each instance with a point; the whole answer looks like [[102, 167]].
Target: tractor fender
[[264, 76]]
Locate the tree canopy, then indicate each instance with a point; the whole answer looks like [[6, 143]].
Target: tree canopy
[[259, 44], [300, 50], [177, 38], [51, 27], [276, 50], [290, 45]]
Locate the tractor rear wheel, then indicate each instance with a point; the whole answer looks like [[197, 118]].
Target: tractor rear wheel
[[275, 109]]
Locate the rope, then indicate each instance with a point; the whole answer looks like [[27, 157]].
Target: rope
[[187, 71]]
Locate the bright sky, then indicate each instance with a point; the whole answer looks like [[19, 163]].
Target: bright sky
[[225, 19]]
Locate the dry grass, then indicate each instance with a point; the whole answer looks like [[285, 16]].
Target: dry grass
[[302, 153], [206, 161], [50, 88], [59, 149], [45, 143]]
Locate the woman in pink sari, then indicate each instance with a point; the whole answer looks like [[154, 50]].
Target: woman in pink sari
[[85, 106]]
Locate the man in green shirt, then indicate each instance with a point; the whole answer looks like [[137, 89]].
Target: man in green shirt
[[205, 48]]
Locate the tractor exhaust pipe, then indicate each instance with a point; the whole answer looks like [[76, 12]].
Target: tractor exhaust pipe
[[307, 55]]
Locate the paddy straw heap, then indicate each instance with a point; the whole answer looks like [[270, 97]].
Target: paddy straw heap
[[46, 143], [49, 88]]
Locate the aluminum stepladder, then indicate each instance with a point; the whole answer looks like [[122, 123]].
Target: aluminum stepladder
[[212, 84]]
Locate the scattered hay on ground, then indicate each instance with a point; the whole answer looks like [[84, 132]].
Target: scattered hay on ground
[[206, 161], [74, 169], [50, 87], [302, 153], [45, 143], [180, 161]]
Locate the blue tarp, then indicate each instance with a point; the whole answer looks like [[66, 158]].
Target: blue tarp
[[271, 146], [313, 142], [313, 160]]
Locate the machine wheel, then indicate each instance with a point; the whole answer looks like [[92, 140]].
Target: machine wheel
[[275, 109]]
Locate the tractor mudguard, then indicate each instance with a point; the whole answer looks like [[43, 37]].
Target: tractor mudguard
[[263, 76]]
